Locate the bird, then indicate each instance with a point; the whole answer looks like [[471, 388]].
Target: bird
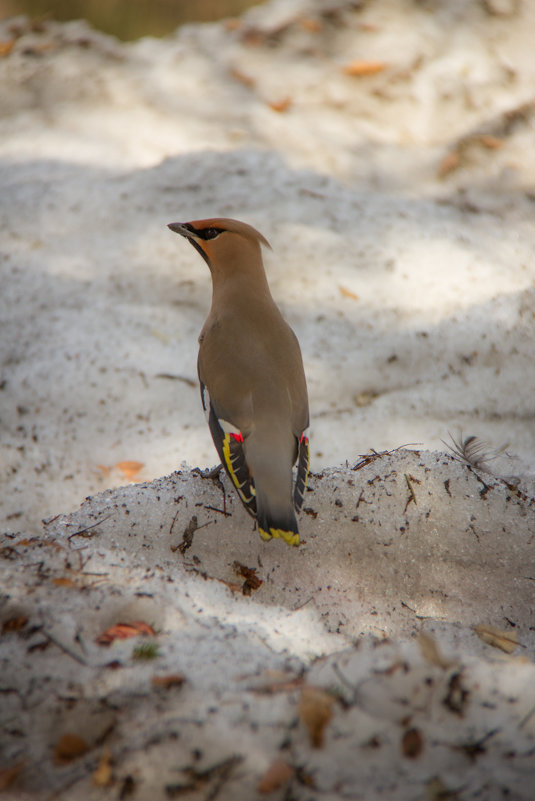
[[252, 380]]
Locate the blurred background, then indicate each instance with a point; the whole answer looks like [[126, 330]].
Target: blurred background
[[128, 19]]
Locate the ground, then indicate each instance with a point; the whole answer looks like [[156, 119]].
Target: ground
[[385, 150]]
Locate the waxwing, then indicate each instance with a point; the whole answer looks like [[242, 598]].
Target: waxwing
[[253, 386]]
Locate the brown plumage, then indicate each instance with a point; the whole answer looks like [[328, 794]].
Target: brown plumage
[[252, 380]]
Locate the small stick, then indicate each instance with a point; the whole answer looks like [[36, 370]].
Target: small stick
[[83, 531], [412, 496]]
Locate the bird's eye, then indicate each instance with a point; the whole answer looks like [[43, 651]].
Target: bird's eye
[[210, 233]]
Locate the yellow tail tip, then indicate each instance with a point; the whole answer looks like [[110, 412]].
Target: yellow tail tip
[[289, 537]]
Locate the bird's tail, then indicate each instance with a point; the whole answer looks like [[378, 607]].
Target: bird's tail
[[274, 523], [269, 454]]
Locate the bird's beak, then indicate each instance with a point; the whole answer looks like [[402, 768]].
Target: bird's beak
[[180, 228]]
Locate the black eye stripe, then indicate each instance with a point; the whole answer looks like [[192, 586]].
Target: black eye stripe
[[209, 233]]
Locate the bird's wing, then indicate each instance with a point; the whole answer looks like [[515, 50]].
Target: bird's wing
[[228, 440], [303, 464]]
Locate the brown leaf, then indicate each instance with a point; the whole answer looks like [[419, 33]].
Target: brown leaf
[[252, 581], [242, 77], [232, 24], [360, 68], [252, 36], [281, 105], [275, 681], [166, 682], [129, 468], [103, 775], [347, 293], [431, 652], [491, 142], [412, 743], [504, 640], [123, 631], [365, 398], [315, 711], [8, 775], [14, 624], [310, 25], [6, 47], [63, 581], [68, 748], [277, 775], [449, 163], [233, 586]]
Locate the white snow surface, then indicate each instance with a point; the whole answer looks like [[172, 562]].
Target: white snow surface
[[400, 209]]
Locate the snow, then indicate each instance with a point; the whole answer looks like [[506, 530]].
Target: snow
[[399, 207]]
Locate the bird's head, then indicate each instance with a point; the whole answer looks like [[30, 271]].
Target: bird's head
[[223, 243]]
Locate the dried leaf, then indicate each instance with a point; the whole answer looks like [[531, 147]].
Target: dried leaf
[[364, 398], [14, 624], [504, 640], [63, 581], [252, 581], [449, 163], [412, 744], [281, 105], [123, 631], [232, 24], [233, 586], [491, 142], [315, 711], [252, 36], [360, 68], [166, 682], [103, 775], [104, 469], [347, 293], [310, 25], [68, 748], [128, 468], [8, 775], [279, 687], [277, 775], [431, 652], [242, 77], [6, 47], [275, 681]]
